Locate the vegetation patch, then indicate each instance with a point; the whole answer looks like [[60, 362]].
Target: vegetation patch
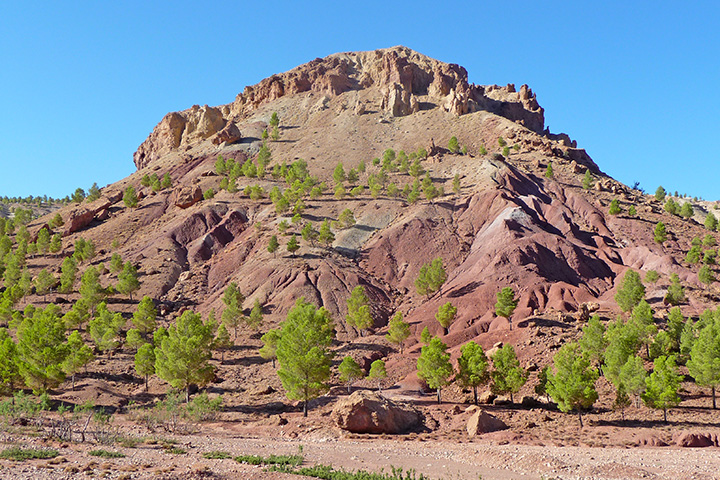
[[326, 472], [216, 455], [287, 460], [106, 454], [21, 454]]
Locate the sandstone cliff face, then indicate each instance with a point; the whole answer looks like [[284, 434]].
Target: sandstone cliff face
[[404, 79]]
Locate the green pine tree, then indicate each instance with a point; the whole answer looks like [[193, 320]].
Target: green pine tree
[[78, 356], [434, 365], [377, 372], [145, 362], [572, 383], [507, 375], [350, 371], [473, 367], [506, 303], [303, 352], [663, 385], [398, 330]]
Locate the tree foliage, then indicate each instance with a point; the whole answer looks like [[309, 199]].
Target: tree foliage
[[431, 277], [473, 367], [350, 371], [662, 385], [507, 375], [303, 351], [183, 356], [572, 383], [434, 365], [359, 315], [630, 292], [506, 303], [398, 330]]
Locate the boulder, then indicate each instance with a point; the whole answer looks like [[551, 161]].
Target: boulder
[[83, 215], [229, 134], [482, 422], [487, 397], [369, 412], [187, 196]]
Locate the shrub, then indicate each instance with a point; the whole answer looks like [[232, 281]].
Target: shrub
[[614, 207], [632, 211], [290, 460], [453, 145], [652, 276], [216, 455]]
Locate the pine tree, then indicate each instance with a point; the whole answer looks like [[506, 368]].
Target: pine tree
[[339, 174], [44, 282], [660, 233], [350, 371], [711, 222], [116, 263], [90, 289], [273, 245], [663, 385], [572, 384], [587, 182], [631, 291], [256, 316], [78, 356], [445, 315], [222, 342], [42, 349], [686, 211], [632, 211], [706, 275], [269, 349], [456, 184], [473, 367], [325, 235], [359, 315], [632, 377], [434, 365], [377, 372], [145, 316], [128, 280], [398, 330], [549, 171], [145, 362], [93, 193], [676, 293], [453, 144], [233, 300], [104, 328], [56, 243], [614, 207], [660, 194], [704, 363], [507, 375], [506, 303], [130, 198], [43, 240], [9, 363], [431, 277], [134, 339], [303, 352], [593, 342], [292, 245], [183, 356]]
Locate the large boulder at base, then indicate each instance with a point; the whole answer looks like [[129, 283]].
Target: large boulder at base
[[187, 196], [482, 422], [696, 439], [369, 412]]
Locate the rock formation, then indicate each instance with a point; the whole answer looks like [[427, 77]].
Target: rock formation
[[369, 412]]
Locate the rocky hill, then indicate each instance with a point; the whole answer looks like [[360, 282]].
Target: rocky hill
[[514, 205], [508, 225]]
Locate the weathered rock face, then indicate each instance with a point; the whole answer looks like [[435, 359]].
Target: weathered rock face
[[400, 74], [482, 422], [368, 412], [697, 439], [180, 128]]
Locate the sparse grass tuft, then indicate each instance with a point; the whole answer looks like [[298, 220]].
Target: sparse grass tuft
[[216, 455], [289, 460]]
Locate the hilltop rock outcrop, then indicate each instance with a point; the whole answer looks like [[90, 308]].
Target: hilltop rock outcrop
[[403, 77]]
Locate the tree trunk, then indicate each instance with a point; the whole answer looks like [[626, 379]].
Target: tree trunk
[[438, 392], [475, 394], [511, 398], [665, 415], [187, 393], [580, 418], [305, 408], [146, 383], [713, 394], [510, 322], [348, 386], [73, 383]]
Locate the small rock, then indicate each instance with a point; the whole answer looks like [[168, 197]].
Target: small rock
[[481, 422]]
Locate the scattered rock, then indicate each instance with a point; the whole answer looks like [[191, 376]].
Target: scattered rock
[[482, 422], [529, 402], [369, 412], [261, 389], [487, 397]]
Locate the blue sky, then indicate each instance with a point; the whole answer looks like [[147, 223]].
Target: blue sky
[[82, 84]]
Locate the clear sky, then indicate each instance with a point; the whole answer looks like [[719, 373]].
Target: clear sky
[[82, 84]]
